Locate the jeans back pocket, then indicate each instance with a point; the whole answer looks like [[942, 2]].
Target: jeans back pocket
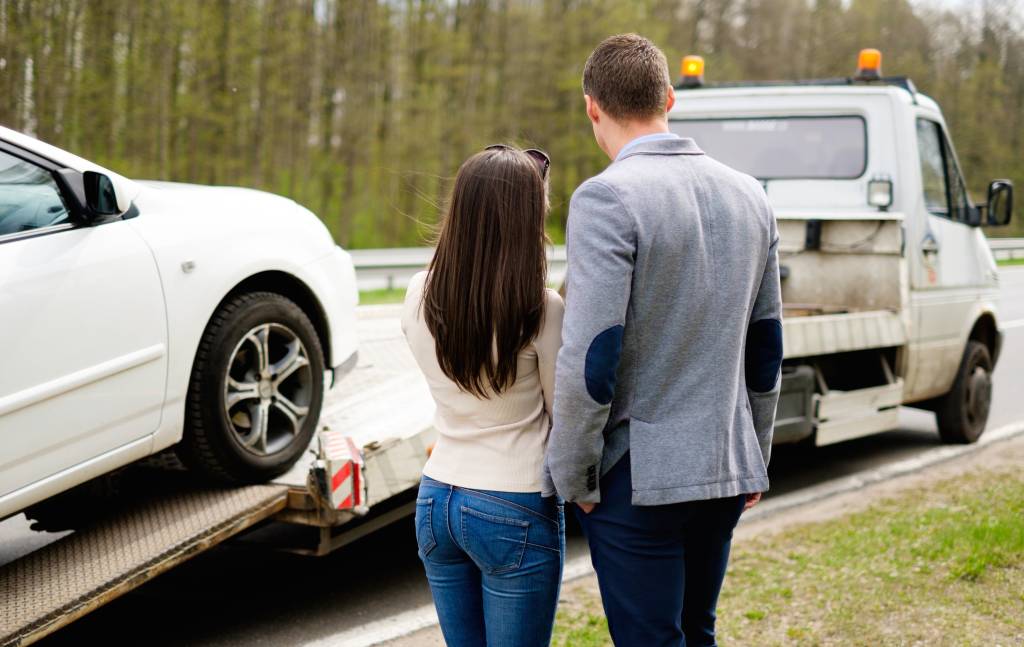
[[496, 544], [424, 528]]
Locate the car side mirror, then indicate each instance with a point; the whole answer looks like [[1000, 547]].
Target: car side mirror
[[999, 206], [91, 196], [100, 196]]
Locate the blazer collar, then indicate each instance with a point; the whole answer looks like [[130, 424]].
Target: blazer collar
[[681, 146]]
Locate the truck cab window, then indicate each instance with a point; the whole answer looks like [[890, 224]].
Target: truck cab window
[[957, 192], [944, 192], [29, 198], [784, 148], [933, 168]]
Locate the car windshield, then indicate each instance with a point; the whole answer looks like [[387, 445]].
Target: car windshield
[[779, 148]]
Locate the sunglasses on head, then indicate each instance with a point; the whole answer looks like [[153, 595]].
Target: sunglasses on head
[[538, 156]]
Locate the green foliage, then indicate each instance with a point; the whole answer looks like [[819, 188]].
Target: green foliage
[[363, 109]]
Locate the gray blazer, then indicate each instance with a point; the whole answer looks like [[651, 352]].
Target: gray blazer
[[672, 339]]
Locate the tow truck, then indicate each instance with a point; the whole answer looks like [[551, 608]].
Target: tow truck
[[890, 290]]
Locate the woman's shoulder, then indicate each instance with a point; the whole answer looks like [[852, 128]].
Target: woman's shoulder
[[413, 299], [414, 290], [554, 311], [553, 300], [418, 279]]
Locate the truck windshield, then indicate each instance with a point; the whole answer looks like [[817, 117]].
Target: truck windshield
[[783, 148]]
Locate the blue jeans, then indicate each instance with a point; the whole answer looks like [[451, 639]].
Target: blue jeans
[[494, 563], [660, 568]]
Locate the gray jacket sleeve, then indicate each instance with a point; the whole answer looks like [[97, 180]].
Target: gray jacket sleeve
[[601, 249], [763, 356]]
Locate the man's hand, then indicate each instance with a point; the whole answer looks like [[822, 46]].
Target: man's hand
[[752, 500], [587, 507]]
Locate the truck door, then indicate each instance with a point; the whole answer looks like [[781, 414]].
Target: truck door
[[83, 332], [944, 264]]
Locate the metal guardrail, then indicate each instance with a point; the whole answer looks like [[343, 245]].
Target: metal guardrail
[[378, 269], [1007, 248]]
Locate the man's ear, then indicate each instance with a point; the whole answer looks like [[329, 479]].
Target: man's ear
[[671, 99], [593, 112]]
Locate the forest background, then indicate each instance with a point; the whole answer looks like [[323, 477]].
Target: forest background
[[362, 110]]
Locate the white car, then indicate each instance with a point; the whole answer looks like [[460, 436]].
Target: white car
[[137, 316]]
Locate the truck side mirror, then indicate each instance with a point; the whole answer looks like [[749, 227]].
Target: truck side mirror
[[999, 206]]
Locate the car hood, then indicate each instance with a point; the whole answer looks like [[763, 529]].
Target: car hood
[[204, 194], [228, 207]]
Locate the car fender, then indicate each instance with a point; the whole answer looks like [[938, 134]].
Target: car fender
[[203, 256]]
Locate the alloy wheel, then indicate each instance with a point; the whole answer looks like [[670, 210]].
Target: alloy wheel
[[268, 388]]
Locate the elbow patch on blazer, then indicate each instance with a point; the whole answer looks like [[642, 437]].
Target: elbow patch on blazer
[[602, 363], [764, 354]]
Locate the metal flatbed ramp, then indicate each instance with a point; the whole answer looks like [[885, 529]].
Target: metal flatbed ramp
[[67, 579]]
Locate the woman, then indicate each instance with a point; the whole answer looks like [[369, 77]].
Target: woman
[[485, 332]]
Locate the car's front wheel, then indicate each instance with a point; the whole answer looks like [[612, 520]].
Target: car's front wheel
[[255, 392]]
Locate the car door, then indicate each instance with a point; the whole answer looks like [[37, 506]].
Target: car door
[[944, 262], [83, 331]]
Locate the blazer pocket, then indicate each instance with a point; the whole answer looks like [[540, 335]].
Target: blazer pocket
[[496, 544], [424, 527]]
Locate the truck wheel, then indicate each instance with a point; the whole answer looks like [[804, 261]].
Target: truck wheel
[[256, 389], [963, 412]]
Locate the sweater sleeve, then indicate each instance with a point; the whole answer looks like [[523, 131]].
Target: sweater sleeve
[[601, 250], [548, 341], [763, 357]]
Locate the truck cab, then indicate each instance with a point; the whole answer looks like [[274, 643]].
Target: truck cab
[[889, 285]]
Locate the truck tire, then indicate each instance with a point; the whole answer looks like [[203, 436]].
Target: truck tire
[[255, 392], [963, 412]]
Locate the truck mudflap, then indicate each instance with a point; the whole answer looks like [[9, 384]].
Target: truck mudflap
[[67, 579]]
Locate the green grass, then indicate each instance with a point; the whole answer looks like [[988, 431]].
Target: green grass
[[1010, 261], [577, 625], [378, 297], [942, 566]]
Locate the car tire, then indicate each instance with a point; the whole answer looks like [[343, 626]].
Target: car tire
[[255, 392], [963, 412]]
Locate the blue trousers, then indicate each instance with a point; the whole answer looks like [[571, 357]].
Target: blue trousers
[[494, 563], [659, 568]]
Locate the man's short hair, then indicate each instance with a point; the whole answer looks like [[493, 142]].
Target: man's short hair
[[628, 77]]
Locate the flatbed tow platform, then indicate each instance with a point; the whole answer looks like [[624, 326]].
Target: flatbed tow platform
[[174, 518]]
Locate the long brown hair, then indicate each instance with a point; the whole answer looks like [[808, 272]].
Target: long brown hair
[[483, 301]]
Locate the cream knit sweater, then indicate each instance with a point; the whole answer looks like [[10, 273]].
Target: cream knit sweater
[[496, 443]]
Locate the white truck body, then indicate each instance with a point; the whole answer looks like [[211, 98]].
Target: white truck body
[[904, 280]]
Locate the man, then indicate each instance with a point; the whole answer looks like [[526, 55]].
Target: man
[[668, 376]]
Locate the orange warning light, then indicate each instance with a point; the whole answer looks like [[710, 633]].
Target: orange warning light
[[869, 64], [693, 71]]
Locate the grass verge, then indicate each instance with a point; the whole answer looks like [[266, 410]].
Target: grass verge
[[1010, 261], [379, 297], [942, 565]]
